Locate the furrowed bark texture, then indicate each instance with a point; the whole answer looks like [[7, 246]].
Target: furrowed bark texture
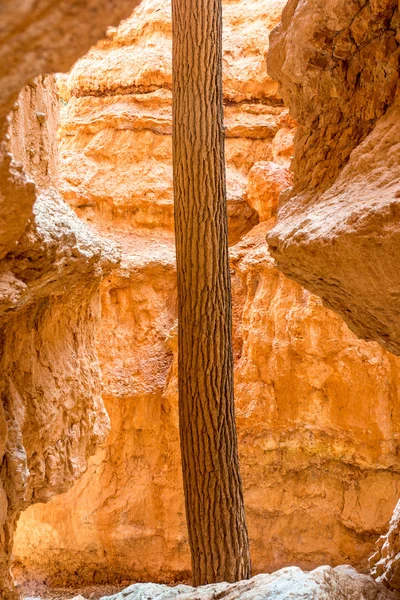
[[213, 488]]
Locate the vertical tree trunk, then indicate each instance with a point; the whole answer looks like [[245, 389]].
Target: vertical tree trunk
[[212, 484]]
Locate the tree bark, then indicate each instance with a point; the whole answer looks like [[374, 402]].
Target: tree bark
[[212, 484]]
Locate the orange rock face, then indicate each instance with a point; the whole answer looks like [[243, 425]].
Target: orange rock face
[[38, 38], [266, 182], [317, 409], [52, 416]]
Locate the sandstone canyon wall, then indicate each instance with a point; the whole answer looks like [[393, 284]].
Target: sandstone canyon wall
[[338, 229], [339, 234], [318, 410], [52, 416]]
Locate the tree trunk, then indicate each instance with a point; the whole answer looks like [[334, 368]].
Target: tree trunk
[[212, 484]]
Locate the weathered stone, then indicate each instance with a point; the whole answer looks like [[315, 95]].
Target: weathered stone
[[317, 409], [41, 37], [338, 235], [51, 413], [52, 417], [324, 583], [267, 180], [385, 562]]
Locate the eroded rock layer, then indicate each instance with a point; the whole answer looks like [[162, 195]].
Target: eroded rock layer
[[339, 234], [47, 36], [317, 409], [52, 417]]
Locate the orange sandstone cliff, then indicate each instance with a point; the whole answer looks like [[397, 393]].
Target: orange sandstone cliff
[[318, 410], [52, 416], [338, 228]]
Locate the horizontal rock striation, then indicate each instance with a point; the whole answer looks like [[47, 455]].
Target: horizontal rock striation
[[47, 36], [317, 408]]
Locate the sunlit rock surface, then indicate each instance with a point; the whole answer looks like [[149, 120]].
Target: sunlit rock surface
[[318, 410], [45, 37]]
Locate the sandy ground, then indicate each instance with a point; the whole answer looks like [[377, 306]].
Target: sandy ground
[[39, 591], [34, 590]]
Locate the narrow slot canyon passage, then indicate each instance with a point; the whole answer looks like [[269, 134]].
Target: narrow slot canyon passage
[[91, 494]]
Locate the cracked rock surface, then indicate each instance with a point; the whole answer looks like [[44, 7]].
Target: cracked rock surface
[[52, 417], [324, 583], [338, 233]]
